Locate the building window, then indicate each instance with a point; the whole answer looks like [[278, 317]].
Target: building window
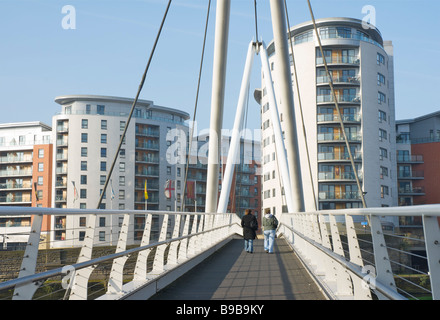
[[103, 152], [122, 167], [121, 181], [102, 221], [40, 181], [103, 138], [88, 108], [383, 153], [382, 116], [121, 194], [101, 235], [104, 124], [380, 79], [83, 165], [40, 167], [122, 125], [40, 153], [102, 180], [82, 221], [84, 124], [380, 59], [83, 179], [103, 166], [83, 193], [82, 235], [381, 97], [84, 152], [382, 135], [84, 137], [100, 109], [383, 191], [383, 172]]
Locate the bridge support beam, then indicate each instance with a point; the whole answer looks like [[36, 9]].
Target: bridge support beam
[[217, 102], [284, 83]]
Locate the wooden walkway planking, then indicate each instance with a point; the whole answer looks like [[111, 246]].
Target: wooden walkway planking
[[233, 274]]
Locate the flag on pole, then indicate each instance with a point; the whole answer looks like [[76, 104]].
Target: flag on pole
[[145, 190], [169, 189], [190, 186], [36, 192], [113, 191], [75, 192]]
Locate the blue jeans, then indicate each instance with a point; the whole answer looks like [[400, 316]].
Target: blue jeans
[[249, 245], [269, 239]]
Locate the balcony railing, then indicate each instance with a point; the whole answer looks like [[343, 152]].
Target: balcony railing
[[411, 175], [328, 117], [338, 156], [330, 175], [332, 195], [339, 137], [341, 98], [410, 158], [338, 79], [339, 60]]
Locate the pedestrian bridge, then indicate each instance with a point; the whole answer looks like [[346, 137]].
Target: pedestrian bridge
[[335, 254]]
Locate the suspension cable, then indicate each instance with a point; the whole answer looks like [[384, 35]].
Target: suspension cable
[[134, 105], [300, 108], [337, 107], [195, 109]]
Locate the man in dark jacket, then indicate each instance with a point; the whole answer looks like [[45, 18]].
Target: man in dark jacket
[[250, 225]]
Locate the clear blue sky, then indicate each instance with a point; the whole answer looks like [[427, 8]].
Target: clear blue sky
[[107, 52]]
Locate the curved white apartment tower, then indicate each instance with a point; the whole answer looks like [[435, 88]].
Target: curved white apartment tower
[[361, 67], [87, 133]]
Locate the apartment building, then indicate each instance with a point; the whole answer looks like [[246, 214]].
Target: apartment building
[[25, 177], [87, 132], [361, 68]]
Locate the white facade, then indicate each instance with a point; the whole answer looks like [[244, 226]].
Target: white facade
[[361, 64], [87, 134]]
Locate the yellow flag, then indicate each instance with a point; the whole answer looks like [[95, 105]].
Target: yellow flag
[[145, 190]]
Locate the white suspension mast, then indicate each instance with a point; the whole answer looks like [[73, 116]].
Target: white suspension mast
[[236, 132], [284, 84], [217, 102], [275, 119]]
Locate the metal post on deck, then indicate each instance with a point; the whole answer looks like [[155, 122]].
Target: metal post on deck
[[217, 102], [284, 83]]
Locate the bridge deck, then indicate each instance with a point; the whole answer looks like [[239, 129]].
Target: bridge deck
[[233, 274]]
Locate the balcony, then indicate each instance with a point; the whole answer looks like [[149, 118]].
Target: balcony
[[15, 173], [331, 195], [148, 172], [331, 175], [147, 132], [344, 60], [328, 98], [412, 191], [410, 158], [15, 186], [411, 175], [147, 146], [338, 156], [330, 117], [337, 137], [338, 80]]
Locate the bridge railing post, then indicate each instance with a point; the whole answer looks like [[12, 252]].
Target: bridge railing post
[[29, 262], [140, 270]]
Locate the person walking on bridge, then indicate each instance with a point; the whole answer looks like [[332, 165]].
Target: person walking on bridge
[[250, 225], [270, 224]]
